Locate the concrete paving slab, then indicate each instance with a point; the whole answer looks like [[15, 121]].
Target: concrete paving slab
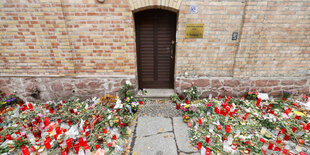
[[159, 144], [182, 135], [153, 125], [156, 93]]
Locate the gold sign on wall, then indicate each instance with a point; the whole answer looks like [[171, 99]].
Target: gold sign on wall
[[194, 30]]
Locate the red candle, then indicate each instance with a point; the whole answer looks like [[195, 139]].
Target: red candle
[[294, 129], [51, 110], [200, 121], [46, 121], [25, 151], [55, 136], [199, 145], [47, 144], [277, 149], [287, 111], [58, 130], [114, 137], [86, 146], [217, 110], [208, 139], [221, 112], [81, 141], [270, 147], [8, 137], [227, 109], [34, 123], [32, 149], [218, 127], [30, 107], [258, 101], [48, 139], [286, 137], [76, 147], [68, 142], [308, 126], [228, 128], [208, 151]]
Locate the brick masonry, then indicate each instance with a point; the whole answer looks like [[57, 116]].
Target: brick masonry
[[44, 89], [239, 87], [45, 40]]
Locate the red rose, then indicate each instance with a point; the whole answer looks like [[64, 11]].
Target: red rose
[[141, 102], [247, 142], [114, 137], [187, 101]]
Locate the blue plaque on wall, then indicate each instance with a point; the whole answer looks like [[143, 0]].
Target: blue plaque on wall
[[235, 36]]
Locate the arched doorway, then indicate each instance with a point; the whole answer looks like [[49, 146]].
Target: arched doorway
[[155, 37]]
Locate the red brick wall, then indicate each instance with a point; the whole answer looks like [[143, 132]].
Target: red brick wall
[[74, 40], [65, 37]]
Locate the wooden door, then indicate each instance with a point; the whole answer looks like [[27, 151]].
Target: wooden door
[[155, 37]]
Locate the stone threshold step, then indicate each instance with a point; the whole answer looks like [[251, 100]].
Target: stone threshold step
[[159, 93]]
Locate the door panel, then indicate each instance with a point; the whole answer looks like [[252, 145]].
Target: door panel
[[155, 31]]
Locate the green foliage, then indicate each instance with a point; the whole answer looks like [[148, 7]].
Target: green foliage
[[175, 98], [192, 93], [286, 94], [126, 92]]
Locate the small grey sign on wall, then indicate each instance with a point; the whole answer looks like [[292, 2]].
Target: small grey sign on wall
[[194, 9]]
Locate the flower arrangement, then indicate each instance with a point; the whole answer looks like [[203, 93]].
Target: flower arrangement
[[73, 126], [192, 93], [252, 95], [7, 102], [286, 95], [238, 126], [186, 118]]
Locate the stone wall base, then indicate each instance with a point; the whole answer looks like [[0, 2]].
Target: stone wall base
[[45, 89], [239, 87], [62, 88]]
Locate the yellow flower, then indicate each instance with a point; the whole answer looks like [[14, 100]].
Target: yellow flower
[[186, 106], [299, 113], [3, 103]]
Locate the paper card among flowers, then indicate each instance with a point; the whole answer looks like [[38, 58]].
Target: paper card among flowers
[[263, 96]]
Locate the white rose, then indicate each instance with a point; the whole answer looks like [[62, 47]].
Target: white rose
[[128, 82]]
